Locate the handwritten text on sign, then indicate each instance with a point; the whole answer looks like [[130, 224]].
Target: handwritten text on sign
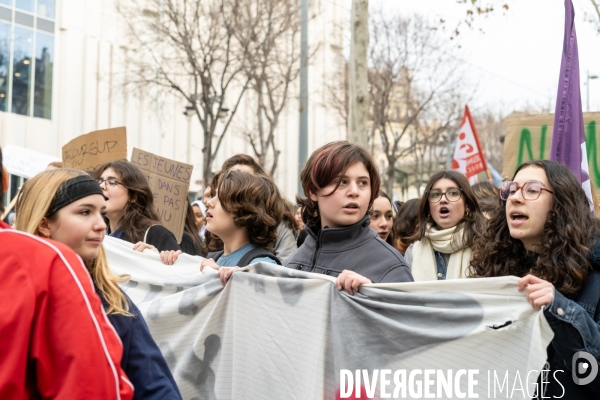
[[530, 137], [87, 152], [170, 182]]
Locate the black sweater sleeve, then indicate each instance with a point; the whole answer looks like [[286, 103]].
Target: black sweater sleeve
[[188, 246], [162, 238]]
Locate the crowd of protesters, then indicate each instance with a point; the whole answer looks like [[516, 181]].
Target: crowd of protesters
[[537, 226]]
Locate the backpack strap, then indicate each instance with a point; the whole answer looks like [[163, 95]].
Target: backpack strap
[[148, 230], [257, 252], [215, 255]]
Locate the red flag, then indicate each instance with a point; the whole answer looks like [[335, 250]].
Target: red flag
[[468, 154]]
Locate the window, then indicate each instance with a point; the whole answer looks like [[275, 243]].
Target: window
[[45, 8], [26, 5], [21, 87], [27, 57], [42, 103], [5, 36]]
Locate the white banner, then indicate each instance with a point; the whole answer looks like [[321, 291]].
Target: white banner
[[278, 333], [24, 162]]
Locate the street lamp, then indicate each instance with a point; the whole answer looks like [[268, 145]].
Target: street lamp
[[588, 87], [190, 111]]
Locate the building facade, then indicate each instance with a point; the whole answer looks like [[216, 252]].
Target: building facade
[[61, 62]]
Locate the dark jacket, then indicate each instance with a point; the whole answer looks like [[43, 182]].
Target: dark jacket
[[142, 361], [158, 236], [576, 325], [355, 247], [188, 246]]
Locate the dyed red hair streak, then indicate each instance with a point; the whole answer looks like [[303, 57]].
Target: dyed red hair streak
[[325, 165]]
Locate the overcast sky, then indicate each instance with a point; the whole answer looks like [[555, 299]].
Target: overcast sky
[[516, 60]]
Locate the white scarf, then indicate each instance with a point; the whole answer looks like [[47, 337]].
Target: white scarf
[[424, 267]]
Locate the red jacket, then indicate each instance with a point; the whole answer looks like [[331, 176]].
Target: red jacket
[[55, 340]]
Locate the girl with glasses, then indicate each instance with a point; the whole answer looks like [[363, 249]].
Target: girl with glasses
[[449, 222], [130, 211], [67, 206], [546, 234]]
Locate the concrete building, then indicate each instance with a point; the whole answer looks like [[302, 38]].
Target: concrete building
[[61, 61]]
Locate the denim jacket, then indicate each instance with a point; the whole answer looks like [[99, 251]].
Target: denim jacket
[[576, 326]]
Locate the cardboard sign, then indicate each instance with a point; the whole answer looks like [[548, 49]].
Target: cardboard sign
[[24, 162], [89, 151], [530, 137], [170, 182]]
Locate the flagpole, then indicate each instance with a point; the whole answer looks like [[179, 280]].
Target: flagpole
[[568, 133], [474, 128]]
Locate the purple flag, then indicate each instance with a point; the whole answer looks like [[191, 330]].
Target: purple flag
[[568, 137]]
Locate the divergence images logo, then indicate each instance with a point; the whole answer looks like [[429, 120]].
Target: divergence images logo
[[580, 367]]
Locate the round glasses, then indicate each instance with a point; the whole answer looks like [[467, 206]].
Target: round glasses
[[452, 194], [530, 190]]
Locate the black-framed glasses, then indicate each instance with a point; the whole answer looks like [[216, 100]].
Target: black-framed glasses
[[452, 194], [530, 190], [112, 182]]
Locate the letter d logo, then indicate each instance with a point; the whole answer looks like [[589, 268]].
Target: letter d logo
[[583, 367]]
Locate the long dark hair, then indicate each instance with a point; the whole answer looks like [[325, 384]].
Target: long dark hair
[[567, 237], [140, 213], [485, 189], [406, 224], [190, 228], [472, 222]]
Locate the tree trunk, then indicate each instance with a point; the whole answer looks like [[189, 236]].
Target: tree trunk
[[207, 160], [390, 176], [359, 90]]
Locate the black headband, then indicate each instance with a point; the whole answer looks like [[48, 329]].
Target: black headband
[[73, 190]]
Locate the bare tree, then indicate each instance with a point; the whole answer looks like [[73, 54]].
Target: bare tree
[[189, 48], [435, 132], [411, 73], [491, 127], [358, 106], [339, 93], [477, 9], [268, 32]]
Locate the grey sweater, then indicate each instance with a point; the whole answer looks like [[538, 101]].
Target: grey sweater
[[285, 245], [355, 247]]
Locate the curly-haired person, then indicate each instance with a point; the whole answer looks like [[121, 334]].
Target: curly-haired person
[[545, 233], [244, 213]]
